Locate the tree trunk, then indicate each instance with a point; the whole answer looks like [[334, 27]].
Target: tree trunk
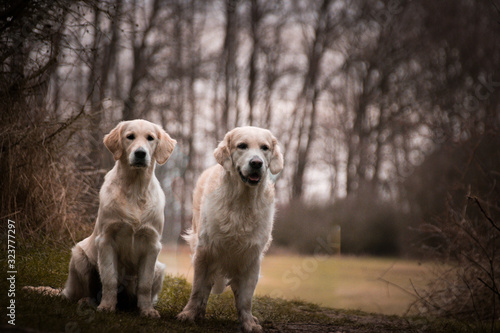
[[255, 16], [310, 93]]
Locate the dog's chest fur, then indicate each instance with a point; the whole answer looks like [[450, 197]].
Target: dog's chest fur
[[133, 223], [235, 226]]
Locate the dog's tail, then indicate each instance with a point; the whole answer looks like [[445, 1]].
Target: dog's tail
[[191, 238], [48, 291]]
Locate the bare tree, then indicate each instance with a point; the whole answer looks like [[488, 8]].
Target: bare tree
[[255, 20], [307, 104], [142, 52], [228, 67]]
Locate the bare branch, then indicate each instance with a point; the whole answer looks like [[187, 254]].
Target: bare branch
[[476, 200]]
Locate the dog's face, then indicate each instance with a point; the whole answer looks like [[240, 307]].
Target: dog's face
[[138, 142], [250, 152]]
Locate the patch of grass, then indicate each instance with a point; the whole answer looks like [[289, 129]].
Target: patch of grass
[[45, 265], [379, 285], [48, 265]]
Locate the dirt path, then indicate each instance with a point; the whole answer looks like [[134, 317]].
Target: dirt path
[[357, 323]]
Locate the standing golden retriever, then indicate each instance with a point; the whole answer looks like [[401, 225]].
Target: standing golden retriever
[[120, 258], [233, 211]]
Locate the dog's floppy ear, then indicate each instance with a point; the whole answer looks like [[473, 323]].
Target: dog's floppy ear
[[165, 146], [222, 153], [276, 164], [113, 141]]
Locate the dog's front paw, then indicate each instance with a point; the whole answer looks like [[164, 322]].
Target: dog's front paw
[[150, 313], [106, 308], [186, 315], [251, 325]]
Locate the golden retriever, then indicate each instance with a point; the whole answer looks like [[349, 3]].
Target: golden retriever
[[120, 257], [233, 211]]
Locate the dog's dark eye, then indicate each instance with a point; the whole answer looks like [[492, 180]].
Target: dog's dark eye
[[131, 136], [150, 138], [242, 146], [264, 147]]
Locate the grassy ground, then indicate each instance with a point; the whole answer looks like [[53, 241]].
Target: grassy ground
[[378, 285], [47, 265]]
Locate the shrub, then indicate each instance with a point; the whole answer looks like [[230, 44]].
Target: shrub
[[366, 227], [43, 190], [465, 235], [468, 288]]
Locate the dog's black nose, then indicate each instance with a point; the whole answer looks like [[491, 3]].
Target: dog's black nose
[[140, 154], [256, 163]]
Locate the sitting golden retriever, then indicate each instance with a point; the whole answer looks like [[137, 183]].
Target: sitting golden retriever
[[120, 258], [233, 211]]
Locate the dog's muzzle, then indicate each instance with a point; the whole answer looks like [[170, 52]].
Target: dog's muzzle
[[139, 159], [254, 174]]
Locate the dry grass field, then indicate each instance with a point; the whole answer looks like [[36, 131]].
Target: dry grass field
[[379, 285]]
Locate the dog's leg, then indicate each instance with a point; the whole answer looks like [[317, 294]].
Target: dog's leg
[[79, 278], [74, 288], [146, 274], [157, 282], [202, 284], [243, 289], [108, 271]]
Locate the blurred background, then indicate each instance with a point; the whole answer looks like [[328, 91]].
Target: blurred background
[[388, 113]]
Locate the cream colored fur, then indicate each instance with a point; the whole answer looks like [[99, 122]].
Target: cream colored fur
[[233, 211], [123, 249]]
